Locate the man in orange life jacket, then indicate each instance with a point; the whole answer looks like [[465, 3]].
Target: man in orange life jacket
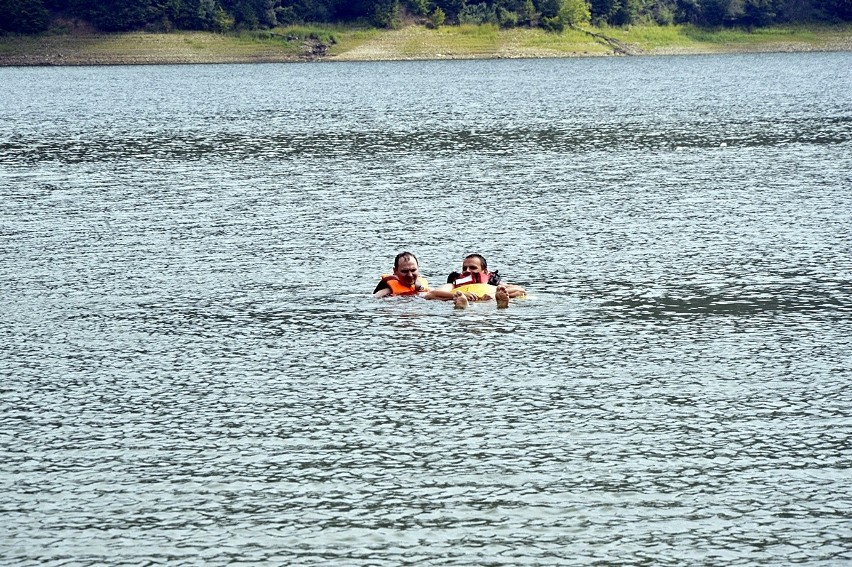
[[405, 279], [475, 271]]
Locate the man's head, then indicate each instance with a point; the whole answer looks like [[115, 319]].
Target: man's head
[[405, 268], [474, 264]]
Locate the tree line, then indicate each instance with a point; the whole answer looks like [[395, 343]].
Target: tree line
[[34, 16]]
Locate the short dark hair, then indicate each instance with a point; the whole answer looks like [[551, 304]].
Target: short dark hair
[[481, 259], [402, 256]]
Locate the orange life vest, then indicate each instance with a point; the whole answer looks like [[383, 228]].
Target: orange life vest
[[398, 288]]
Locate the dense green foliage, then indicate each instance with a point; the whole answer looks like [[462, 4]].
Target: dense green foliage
[[31, 16]]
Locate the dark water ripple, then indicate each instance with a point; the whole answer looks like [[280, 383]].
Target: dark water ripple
[[195, 373], [579, 138], [354, 145]]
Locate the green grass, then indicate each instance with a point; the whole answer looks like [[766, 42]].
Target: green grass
[[690, 38], [337, 38], [460, 40], [650, 37], [569, 41], [347, 38]]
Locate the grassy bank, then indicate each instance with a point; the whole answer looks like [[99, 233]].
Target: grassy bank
[[412, 42]]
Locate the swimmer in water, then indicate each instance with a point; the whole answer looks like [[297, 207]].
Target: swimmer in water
[[405, 279], [476, 283]]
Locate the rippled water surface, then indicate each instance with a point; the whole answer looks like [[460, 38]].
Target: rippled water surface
[[194, 370]]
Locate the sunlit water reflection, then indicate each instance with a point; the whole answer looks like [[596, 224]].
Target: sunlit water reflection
[[195, 372]]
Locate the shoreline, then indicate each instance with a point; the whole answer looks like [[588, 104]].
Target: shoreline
[[412, 43]]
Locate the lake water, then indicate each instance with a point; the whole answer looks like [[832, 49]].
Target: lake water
[[194, 370]]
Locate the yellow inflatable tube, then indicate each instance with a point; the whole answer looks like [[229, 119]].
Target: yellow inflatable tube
[[478, 289]]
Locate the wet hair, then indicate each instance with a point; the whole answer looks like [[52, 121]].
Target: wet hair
[[481, 259], [402, 256]]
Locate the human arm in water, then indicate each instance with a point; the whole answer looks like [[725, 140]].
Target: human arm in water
[[515, 290], [382, 289]]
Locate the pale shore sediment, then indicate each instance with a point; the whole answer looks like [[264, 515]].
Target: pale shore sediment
[[410, 43]]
